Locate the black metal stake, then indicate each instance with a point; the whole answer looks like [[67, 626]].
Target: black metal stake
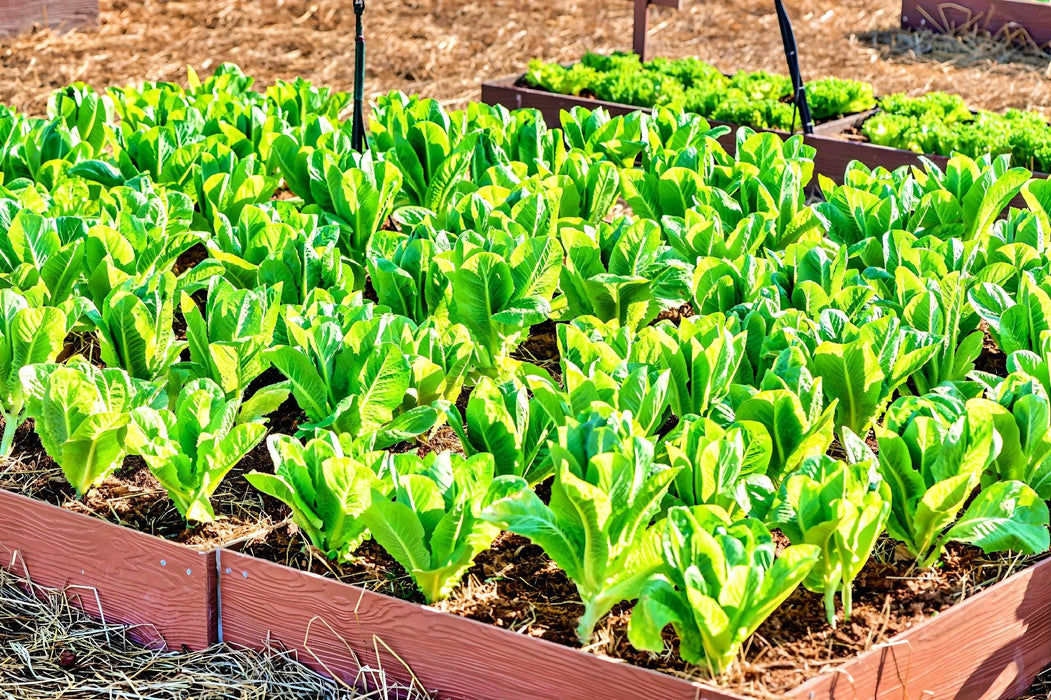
[[358, 128], [788, 38]]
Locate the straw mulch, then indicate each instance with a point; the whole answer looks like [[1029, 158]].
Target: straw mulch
[[445, 48], [49, 649]]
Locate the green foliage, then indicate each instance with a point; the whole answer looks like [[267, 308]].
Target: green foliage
[[327, 489], [753, 99], [718, 582], [431, 522], [506, 424], [135, 327], [192, 447], [724, 467], [28, 336], [352, 381], [841, 509], [621, 272], [83, 416], [596, 528], [933, 462]]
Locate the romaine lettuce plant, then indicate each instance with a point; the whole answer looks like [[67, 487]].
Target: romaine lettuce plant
[[135, 327], [717, 583], [703, 354], [498, 299], [840, 508], [352, 381], [933, 467], [597, 527], [431, 521], [724, 467], [194, 445], [83, 416], [621, 272], [227, 342], [502, 420], [28, 336], [794, 432], [326, 488]]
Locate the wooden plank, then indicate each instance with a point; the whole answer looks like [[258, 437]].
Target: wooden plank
[[334, 627], [990, 646], [60, 15], [506, 91], [113, 572], [641, 23], [640, 26], [1022, 21]]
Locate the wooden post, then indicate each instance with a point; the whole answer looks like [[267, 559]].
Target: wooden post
[[638, 44]]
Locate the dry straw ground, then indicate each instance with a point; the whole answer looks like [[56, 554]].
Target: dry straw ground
[[49, 649], [445, 48]]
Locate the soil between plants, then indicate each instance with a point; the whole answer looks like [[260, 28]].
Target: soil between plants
[[514, 584]]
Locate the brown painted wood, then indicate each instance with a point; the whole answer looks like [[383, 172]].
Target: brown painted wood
[[113, 572], [59, 15], [1022, 21], [990, 646], [334, 627], [641, 24]]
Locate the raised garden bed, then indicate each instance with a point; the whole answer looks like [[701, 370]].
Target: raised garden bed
[[184, 375], [336, 628], [1025, 22], [833, 152], [838, 142]]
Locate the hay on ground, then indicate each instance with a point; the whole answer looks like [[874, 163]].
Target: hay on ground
[[49, 649]]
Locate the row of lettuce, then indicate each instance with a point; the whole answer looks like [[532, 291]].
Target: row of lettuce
[[168, 250], [936, 123]]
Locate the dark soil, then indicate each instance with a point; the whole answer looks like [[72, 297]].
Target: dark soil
[[190, 258], [541, 349], [133, 497], [675, 315], [992, 360]]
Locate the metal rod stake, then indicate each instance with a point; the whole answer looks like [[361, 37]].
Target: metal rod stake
[[358, 128]]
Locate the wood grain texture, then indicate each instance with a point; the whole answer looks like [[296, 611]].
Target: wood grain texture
[[1017, 20], [112, 572], [59, 15], [334, 627], [987, 647]]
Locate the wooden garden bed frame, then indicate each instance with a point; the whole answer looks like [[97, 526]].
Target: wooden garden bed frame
[[833, 151]]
